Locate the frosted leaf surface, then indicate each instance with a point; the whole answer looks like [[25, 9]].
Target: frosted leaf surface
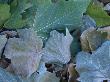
[[57, 15], [8, 77], [57, 48], [94, 67], [24, 54]]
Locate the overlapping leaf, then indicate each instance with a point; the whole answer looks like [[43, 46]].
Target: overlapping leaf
[[24, 53], [58, 15], [97, 12], [57, 48], [95, 67], [16, 20], [91, 39], [7, 77]]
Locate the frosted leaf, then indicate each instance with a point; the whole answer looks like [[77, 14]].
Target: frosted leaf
[[25, 58], [88, 22], [95, 67], [91, 39], [58, 15], [9, 33], [3, 41], [48, 77], [107, 7], [43, 75], [57, 48], [31, 36], [8, 77]]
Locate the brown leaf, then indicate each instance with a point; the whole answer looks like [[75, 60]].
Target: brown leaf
[[73, 74]]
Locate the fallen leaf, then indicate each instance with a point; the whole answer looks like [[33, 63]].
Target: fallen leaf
[[95, 67], [57, 48], [25, 57], [91, 39]]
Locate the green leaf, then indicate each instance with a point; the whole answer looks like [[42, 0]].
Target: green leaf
[[98, 14], [5, 1], [54, 15], [4, 13], [16, 20]]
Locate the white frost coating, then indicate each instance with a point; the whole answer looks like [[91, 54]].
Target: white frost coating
[[3, 41], [94, 67], [57, 48], [31, 36], [24, 53]]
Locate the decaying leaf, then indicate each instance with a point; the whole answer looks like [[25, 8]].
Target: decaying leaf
[[95, 67], [106, 30], [73, 74], [23, 53], [4, 62], [57, 48], [91, 39]]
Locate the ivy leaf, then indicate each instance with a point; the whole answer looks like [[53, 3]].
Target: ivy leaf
[[95, 67], [58, 15], [97, 12], [4, 13], [16, 20]]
